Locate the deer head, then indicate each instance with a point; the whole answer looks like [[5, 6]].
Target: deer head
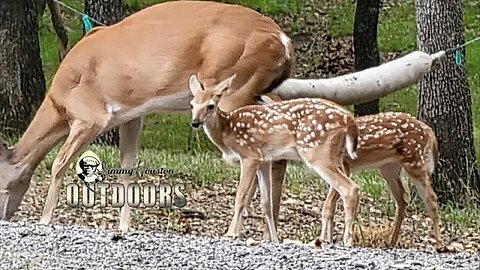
[[205, 100], [14, 181]]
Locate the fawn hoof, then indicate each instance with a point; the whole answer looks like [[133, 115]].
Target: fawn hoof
[[229, 236], [268, 238], [274, 240], [348, 242], [317, 242], [123, 228], [44, 221], [440, 247]]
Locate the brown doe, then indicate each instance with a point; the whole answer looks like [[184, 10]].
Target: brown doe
[[301, 129], [389, 142], [116, 75]]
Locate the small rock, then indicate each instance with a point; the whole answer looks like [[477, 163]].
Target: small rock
[[251, 242]]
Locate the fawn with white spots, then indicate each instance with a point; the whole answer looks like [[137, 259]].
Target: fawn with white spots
[[255, 135], [389, 142]]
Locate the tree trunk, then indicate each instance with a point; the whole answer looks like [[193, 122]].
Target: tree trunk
[[365, 46], [22, 83], [107, 12], [40, 8], [445, 102], [60, 29]]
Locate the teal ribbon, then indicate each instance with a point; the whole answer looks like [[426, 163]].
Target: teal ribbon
[[86, 23], [458, 56]]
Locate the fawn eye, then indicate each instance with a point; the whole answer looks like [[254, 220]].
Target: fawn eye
[[210, 107], [191, 106]]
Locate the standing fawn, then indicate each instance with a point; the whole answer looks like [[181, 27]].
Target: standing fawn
[[389, 142], [256, 135]]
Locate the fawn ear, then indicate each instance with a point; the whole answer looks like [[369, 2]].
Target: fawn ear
[[266, 99], [224, 85], [195, 85]]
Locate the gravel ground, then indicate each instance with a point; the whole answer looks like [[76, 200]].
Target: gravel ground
[[32, 246]]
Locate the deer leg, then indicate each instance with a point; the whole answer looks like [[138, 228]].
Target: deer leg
[[81, 134], [264, 177], [391, 173], [429, 197], [247, 180], [279, 168], [332, 171], [248, 200], [129, 134], [278, 176], [328, 211]]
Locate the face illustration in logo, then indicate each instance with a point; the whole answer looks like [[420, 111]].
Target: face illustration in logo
[[89, 168]]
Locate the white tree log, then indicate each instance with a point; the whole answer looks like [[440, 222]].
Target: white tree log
[[365, 85]]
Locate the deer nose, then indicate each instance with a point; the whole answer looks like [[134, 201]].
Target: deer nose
[[195, 124]]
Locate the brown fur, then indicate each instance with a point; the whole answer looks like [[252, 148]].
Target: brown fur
[[389, 142], [255, 135], [116, 75]]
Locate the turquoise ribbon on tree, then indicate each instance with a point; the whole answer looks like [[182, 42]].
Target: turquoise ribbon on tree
[[458, 57], [86, 23]]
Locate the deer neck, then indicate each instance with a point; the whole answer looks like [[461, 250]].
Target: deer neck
[[47, 127], [218, 127]]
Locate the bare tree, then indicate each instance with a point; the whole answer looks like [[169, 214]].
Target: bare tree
[[22, 82], [445, 102], [365, 45]]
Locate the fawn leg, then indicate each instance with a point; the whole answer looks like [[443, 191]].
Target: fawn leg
[[264, 177], [423, 184], [391, 173], [247, 180]]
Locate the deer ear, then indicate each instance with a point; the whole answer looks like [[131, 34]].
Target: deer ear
[[195, 85], [266, 99], [224, 85]]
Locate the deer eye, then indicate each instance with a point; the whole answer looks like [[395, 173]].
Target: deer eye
[[210, 107]]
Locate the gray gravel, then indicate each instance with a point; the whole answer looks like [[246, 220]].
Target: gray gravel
[[33, 246]]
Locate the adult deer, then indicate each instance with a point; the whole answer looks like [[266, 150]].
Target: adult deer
[[388, 142], [302, 129], [116, 75]]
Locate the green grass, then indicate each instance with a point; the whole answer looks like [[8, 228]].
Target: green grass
[[266, 6], [165, 137], [462, 216]]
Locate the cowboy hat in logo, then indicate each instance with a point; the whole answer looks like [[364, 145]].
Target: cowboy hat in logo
[[89, 168]]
